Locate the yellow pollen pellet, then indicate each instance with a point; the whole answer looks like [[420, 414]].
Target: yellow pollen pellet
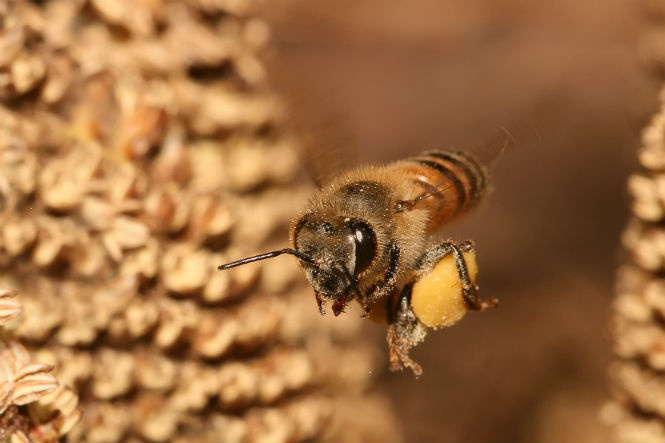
[[437, 298]]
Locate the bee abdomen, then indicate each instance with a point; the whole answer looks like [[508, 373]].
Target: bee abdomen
[[453, 181], [471, 180]]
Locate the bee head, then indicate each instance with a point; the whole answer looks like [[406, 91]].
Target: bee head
[[334, 252], [342, 248]]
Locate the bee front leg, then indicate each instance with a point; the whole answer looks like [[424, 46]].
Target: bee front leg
[[384, 287], [469, 290], [404, 332]]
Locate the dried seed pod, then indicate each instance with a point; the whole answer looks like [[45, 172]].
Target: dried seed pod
[[155, 372], [136, 17], [27, 71], [215, 335], [58, 411], [153, 421], [63, 182], [58, 81], [41, 315], [176, 320], [184, 269], [11, 42], [197, 385], [112, 373], [18, 235], [18, 167]]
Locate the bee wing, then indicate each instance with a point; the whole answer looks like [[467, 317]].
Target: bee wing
[[358, 97], [325, 139]]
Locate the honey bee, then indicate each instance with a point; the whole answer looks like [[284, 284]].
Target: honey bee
[[365, 236]]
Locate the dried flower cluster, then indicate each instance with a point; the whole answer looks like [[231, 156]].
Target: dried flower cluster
[[139, 149], [52, 408], [638, 413]]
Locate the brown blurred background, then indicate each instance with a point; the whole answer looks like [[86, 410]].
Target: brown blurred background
[[378, 80]]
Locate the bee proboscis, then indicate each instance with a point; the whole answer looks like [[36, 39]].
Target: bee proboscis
[[365, 236]]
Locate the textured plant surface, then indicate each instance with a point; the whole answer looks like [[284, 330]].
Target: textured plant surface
[[638, 413], [139, 149]]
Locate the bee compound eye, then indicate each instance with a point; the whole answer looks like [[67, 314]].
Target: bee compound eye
[[365, 241]]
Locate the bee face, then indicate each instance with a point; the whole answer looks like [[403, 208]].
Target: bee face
[[342, 248]]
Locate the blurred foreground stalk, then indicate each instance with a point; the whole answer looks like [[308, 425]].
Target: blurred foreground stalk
[[139, 148]]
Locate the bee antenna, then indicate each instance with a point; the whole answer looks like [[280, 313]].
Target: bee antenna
[[244, 261]]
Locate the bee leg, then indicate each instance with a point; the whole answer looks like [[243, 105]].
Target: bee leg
[[319, 303], [469, 290], [404, 332], [408, 205], [385, 286]]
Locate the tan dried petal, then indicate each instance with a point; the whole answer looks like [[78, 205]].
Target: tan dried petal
[[18, 234], [13, 357], [112, 373], [104, 422], [143, 262], [143, 130], [159, 424], [126, 185], [113, 248], [50, 243], [19, 168], [19, 437], [63, 400], [172, 164], [135, 16], [137, 319], [239, 385], [33, 386], [197, 385], [73, 366], [652, 155], [58, 81], [6, 387], [206, 161], [156, 372], [646, 204], [221, 109], [209, 219], [91, 260], [176, 318], [96, 212], [260, 322], [10, 307], [218, 287], [129, 233], [32, 369], [184, 269], [63, 182], [27, 71], [11, 42], [166, 210], [41, 315], [215, 335]]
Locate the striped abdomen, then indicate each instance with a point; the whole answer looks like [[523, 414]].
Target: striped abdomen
[[450, 183]]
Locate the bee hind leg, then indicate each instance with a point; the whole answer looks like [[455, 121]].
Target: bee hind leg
[[469, 289], [404, 332]]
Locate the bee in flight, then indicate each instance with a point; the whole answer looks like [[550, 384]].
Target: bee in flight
[[365, 237]]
